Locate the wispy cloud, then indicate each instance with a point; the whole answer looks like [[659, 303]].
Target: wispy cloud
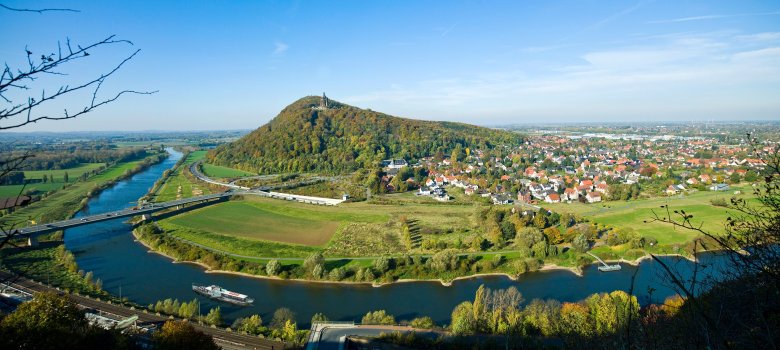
[[766, 36], [711, 17], [617, 15], [280, 48], [681, 72], [446, 30], [613, 17]]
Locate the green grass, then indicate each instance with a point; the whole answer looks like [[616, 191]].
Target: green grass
[[15, 190], [259, 226], [60, 204], [264, 227], [237, 245], [41, 264], [74, 175], [351, 229], [631, 215], [58, 175], [223, 172], [249, 220], [178, 186]]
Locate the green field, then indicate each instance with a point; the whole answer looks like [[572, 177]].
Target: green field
[[217, 171], [74, 174], [178, 186], [58, 175], [631, 215], [259, 226], [61, 204], [249, 220], [15, 190]]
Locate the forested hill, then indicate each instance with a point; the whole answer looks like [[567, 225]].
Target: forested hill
[[343, 138]]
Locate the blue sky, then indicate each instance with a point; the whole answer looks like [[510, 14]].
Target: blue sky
[[231, 65]]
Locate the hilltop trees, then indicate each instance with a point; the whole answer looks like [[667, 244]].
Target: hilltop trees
[[344, 139]]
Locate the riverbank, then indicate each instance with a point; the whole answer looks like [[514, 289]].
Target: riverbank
[[69, 200], [48, 262], [577, 271]]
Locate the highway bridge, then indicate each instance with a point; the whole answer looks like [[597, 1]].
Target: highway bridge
[[33, 231]]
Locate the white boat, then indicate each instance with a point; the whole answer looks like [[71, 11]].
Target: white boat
[[218, 293]]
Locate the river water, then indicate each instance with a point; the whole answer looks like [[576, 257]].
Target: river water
[[127, 268]]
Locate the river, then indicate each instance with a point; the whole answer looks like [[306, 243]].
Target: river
[[127, 268]]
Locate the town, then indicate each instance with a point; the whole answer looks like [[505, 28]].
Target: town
[[584, 167]]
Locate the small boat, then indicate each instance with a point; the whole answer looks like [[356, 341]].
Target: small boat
[[218, 293]]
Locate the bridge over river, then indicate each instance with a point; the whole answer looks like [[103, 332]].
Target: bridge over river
[[32, 232]]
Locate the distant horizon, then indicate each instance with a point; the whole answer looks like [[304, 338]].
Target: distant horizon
[[595, 123], [235, 65]]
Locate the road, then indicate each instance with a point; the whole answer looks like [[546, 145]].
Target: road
[[124, 213], [331, 336], [223, 338], [266, 190]]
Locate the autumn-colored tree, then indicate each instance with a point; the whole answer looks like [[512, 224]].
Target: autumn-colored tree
[[175, 335], [343, 139], [463, 321], [214, 317]]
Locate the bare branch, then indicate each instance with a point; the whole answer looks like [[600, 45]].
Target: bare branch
[[47, 66], [37, 11]]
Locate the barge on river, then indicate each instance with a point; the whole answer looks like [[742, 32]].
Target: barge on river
[[218, 293]]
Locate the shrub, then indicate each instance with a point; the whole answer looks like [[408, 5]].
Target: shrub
[[422, 322], [378, 317], [719, 202]]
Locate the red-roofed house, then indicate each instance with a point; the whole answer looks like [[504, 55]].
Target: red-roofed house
[[570, 194], [552, 198]]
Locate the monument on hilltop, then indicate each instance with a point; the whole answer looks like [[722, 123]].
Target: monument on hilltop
[[324, 103]]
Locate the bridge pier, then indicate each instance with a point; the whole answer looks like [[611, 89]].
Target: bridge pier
[[32, 241], [146, 217]]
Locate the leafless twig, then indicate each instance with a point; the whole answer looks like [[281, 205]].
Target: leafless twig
[[37, 11]]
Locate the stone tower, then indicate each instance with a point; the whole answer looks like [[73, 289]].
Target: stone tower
[[324, 102]]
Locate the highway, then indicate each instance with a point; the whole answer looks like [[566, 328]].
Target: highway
[[149, 208], [223, 338], [266, 190], [124, 213]]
